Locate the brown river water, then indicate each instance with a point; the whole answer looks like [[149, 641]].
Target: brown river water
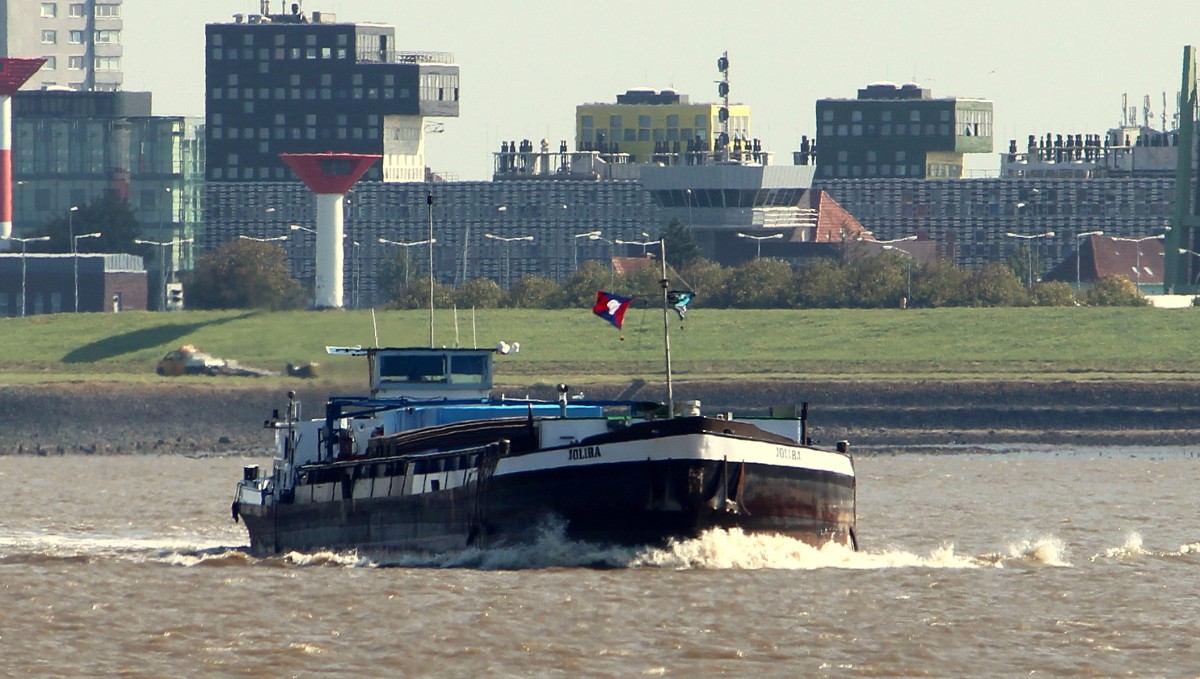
[[1026, 561]]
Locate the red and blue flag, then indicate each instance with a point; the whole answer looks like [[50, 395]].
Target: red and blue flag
[[611, 307]]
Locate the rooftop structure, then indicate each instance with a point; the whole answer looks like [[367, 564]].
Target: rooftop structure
[[891, 130], [298, 83]]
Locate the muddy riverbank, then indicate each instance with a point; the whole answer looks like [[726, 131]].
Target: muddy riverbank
[[211, 417]]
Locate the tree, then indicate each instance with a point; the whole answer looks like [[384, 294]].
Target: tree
[[534, 292], [682, 250], [481, 293], [109, 215], [416, 295], [244, 274], [760, 284], [710, 282], [1114, 291], [879, 282], [580, 289], [397, 273], [995, 285], [1055, 293], [940, 284], [824, 284]]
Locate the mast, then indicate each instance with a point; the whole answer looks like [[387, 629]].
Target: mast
[[662, 246], [429, 202]]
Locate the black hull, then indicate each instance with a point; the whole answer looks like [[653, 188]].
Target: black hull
[[628, 503]]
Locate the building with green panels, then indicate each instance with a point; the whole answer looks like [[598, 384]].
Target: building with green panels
[[646, 122], [900, 131], [71, 148]]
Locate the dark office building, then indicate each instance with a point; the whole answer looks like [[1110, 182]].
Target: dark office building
[[295, 83], [899, 131]]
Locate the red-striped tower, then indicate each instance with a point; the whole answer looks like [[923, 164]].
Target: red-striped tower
[[13, 74], [330, 176]]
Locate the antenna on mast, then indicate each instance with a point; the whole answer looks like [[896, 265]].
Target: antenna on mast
[[723, 114]]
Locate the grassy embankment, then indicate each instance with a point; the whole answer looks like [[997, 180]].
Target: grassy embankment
[[572, 345]]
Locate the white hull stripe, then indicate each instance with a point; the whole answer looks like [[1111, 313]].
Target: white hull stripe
[[683, 447]]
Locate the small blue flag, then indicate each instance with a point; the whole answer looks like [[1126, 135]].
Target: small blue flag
[[680, 299]]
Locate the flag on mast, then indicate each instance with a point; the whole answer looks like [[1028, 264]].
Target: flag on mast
[[611, 307], [679, 300]]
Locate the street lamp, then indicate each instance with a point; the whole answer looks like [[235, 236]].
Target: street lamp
[[406, 246], [23, 241], [759, 239], [297, 227], [163, 261], [590, 235], [71, 223], [1079, 252], [75, 260], [907, 267], [507, 261], [264, 240], [1029, 250], [642, 243], [1185, 251], [1137, 243]]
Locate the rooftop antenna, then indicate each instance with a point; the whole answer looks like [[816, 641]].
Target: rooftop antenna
[[1124, 109], [723, 114]]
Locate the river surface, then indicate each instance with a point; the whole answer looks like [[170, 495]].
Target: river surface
[[1064, 562]]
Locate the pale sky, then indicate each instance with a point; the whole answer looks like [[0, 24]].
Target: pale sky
[[1049, 66]]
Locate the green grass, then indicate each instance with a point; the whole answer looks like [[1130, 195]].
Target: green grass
[[1052, 343]]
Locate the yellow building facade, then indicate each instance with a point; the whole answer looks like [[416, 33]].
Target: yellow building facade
[[643, 121]]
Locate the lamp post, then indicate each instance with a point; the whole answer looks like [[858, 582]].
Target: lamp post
[[759, 239], [1079, 252], [1185, 251], [1137, 244], [163, 274], [264, 240], [907, 268], [1029, 250], [71, 223], [406, 246], [23, 241], [75, 260], [642, 243], [507, 261], [590, 235]]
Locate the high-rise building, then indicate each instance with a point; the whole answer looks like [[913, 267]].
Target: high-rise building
[[80, 40], [299, 83], [900, 131], [644, 123]]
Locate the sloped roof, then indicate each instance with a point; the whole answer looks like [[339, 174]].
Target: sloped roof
[[1139, 260], [834, 222]]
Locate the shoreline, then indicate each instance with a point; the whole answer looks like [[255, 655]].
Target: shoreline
[[211, 417]]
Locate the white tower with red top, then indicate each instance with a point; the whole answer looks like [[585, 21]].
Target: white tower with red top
[[13, 74], [329, 176]]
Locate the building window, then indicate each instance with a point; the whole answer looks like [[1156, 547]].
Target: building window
[[75, 9], [107, 36], [51, 63], [108, 63], [856, 116], [886, 116], [49, 37], [217, 55], [49, 10], [826, 115], [75, 37], [107, 11], [614, 121], [914, 116], [673, 121]]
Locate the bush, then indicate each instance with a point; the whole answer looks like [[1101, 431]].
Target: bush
[[1114, 291], [1053, 294]]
